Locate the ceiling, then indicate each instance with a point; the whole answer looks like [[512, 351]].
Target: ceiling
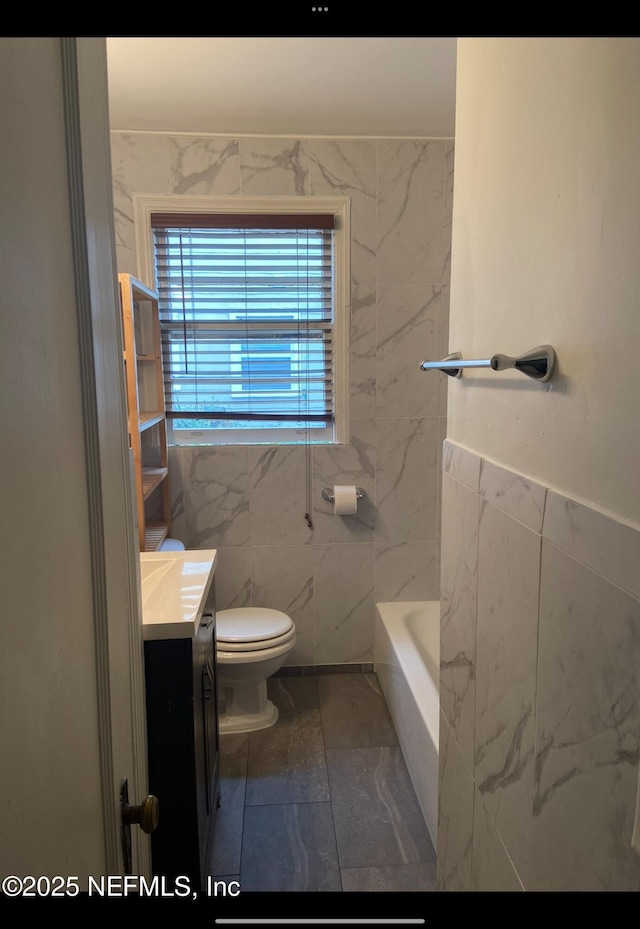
[[376, 87]]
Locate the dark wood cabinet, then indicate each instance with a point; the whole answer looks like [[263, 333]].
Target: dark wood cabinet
[[183, 749]]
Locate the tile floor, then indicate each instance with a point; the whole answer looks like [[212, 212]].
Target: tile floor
[[321, 801]]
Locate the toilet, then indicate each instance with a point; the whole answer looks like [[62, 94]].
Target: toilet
[[252, 643]]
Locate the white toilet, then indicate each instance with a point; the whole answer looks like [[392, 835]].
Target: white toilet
[[251, 645]]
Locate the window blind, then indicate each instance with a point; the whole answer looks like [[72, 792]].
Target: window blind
[[246, 314]]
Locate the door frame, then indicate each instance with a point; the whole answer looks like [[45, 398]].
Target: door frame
[[117, 613]]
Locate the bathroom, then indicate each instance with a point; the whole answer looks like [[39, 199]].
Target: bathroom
[[249, 502], [539, 725]]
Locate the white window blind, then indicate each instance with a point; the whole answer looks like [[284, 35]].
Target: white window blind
[[247, 319]]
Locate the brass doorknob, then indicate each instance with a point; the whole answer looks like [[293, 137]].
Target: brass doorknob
[[145, 815]]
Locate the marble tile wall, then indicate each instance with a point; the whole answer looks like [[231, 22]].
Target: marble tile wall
[[249, 502], [540, 687]]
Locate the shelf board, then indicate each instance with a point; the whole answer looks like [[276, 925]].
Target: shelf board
[[152, 478], [150, 418], [141, 292], [154, 536]]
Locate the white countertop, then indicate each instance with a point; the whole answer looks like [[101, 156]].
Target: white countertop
[[175, 587]]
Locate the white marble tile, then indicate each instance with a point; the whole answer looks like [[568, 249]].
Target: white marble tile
[[406, 479], [405, 571], [410, 212], [204, 165], [363, 633], [455, 816], [506, 652], [601, 542], [282, 579], [352, 464], [587, 731], [216, 496], [141, 160], [491, 869], [349, 169], [343, 600], [362, 352], [277, 482], [176, 494], [139, 164], [220, 504], [233, 578], [518, 496], [274, 166], [407, 332], [462, 464], [458, 597]]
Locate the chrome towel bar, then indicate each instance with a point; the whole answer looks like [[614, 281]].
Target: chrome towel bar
[[539, 363]]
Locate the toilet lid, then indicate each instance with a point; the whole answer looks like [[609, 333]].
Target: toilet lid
[[251, 624]]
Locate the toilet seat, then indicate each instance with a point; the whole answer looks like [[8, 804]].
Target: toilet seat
[[249, 646], [254, 655], [252, 628]]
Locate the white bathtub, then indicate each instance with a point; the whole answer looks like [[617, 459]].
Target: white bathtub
[[406, 656]]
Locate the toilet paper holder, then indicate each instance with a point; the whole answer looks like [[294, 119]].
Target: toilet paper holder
[[327, 494]]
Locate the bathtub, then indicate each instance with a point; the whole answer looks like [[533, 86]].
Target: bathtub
[[406, 656]]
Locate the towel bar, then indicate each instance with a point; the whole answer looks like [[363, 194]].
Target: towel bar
[[539, 363]]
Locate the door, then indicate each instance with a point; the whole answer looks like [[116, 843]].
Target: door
[[71, 667]]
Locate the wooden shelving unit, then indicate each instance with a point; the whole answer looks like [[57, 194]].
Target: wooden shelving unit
[[145, 401]]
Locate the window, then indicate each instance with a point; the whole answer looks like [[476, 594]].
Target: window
[[252, 316]]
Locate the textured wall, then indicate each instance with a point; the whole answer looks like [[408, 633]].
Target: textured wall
[[248, 502]]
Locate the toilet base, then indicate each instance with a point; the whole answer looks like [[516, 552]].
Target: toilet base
[[247, 708]]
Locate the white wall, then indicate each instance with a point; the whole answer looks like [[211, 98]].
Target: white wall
[[546, 231]]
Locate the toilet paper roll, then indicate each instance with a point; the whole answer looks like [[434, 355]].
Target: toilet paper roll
[[345, 500]]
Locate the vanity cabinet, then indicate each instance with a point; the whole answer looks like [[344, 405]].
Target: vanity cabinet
[[146, 409], [183, 748]]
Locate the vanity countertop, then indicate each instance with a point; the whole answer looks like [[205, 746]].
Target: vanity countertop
[[175, 587]]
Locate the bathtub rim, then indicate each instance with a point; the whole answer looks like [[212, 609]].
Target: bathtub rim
[[413, 699], [425, 691]]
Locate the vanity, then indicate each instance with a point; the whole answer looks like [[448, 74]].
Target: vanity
[[178, 610]]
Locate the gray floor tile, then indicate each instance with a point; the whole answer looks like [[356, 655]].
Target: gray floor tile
[[293, 694], [289, 847], [287, 762], [399, 878], [354, 711], [234, 743], [224, 885], [225, 849], [324, 789], [377, 817]]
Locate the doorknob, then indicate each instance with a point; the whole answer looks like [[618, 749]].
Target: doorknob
[[145, 815]]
